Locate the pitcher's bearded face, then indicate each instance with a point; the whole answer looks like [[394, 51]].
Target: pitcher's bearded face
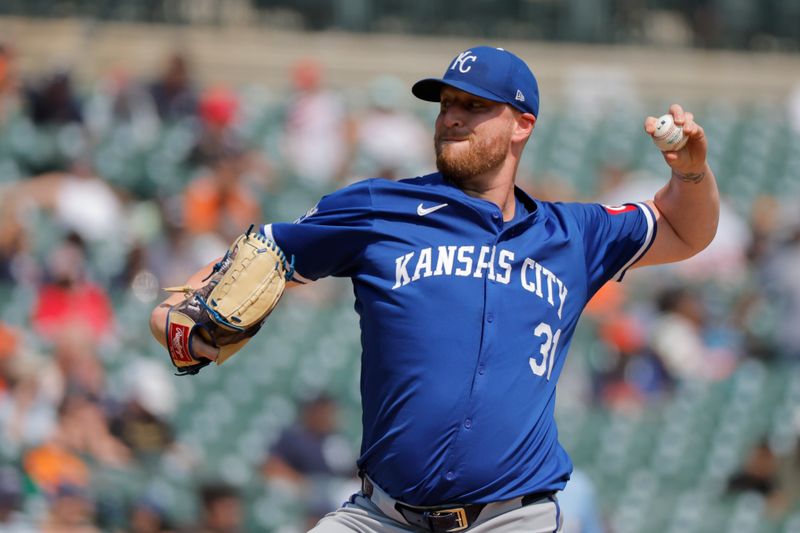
[[459, 160], [473, 135]]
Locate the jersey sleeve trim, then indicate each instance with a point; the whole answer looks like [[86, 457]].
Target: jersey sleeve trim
[[266, 230], [648, 241]]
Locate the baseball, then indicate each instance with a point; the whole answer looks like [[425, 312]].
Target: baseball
[[668, 136]]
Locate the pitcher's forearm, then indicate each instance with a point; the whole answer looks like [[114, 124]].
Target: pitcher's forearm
[[690, 203]]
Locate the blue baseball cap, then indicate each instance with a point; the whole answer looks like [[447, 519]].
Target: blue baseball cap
[[491, 73]]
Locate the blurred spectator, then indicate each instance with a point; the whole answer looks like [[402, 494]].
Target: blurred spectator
[[148, 516], [391, 143], [765, 229], [27, 409], [84, 429], [755, 311], [174, 255], [760, 474], [9, 342], [12, 520], [173, 92], [118, 100], [789, 467], [77, 369], [71, 510], [9, 84], [52, 100], [315, 142], [79, 200], [225, 197], [220, 201], [311, 458], [141, 423], [222, 510], [679, 338], [17, 264], [632, 375], [52, 465], [310, 447], [135, 266], [627, 373], [780, 277], [61, 468], [68, 299], [216, 138]]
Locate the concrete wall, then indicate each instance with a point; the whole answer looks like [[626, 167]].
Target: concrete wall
[[263, 55]]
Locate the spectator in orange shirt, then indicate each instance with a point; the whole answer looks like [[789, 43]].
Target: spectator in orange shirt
[[8, 349], [224, 199], [220, 201]]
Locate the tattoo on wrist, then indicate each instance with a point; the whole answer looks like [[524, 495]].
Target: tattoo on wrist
[[692, 177]]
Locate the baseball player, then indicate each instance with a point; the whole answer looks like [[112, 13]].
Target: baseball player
[[468, 292]]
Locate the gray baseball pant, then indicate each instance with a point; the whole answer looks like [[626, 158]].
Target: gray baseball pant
[[362, 516]]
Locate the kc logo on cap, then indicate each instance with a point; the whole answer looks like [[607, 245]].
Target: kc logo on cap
[[492, 73], [460, 61]]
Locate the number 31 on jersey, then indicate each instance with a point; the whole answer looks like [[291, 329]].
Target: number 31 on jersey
[[547, 350]]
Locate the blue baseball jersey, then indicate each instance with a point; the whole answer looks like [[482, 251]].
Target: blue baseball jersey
[[466, 321]]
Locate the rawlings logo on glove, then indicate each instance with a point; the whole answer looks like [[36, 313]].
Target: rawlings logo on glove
[[179, 342], [242, 290]]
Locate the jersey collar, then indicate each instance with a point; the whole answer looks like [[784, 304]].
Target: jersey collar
[[530, 204]]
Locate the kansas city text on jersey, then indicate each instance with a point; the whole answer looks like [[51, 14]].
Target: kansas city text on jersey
[[480, 262]]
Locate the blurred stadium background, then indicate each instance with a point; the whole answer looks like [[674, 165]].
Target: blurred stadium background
[[138, 138]]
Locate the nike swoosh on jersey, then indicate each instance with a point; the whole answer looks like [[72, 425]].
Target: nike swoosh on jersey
[[422, 211]]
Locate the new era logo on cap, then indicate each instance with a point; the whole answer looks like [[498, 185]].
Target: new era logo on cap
[[491, 73]]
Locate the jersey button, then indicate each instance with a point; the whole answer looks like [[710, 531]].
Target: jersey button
[[450, 475], [495, 216], [481, 370], [468, 423], [489, 317]]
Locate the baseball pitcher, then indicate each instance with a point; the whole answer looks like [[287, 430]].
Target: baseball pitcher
[[468, 292]]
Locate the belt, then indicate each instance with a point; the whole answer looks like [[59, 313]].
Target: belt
[[441, 518]]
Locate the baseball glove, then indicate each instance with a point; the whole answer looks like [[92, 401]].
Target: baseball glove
[[242, 290]]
